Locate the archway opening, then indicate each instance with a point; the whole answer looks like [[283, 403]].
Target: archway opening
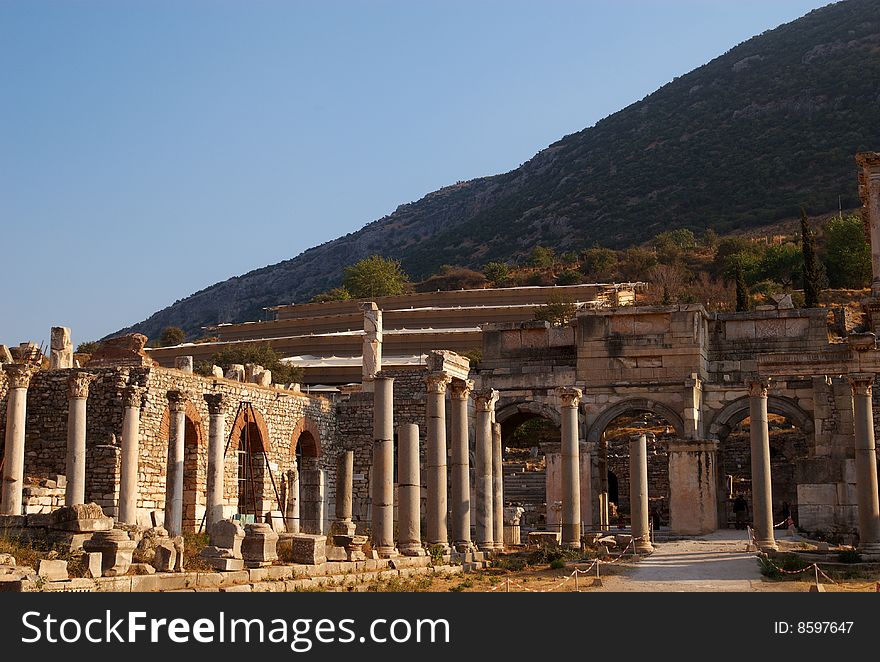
[[251, 471], [311, 500], [526, 440], [194, 466], [614, 466], [788, 443]]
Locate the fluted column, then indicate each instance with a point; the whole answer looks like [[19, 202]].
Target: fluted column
[[866, 463], [409, 488], [174, 477], [459, 393], [571, 467], [638, 494], [759, 433], [497, 488], [382, 474], [19, 377], [484, 402], [216, 461], [435, 443], [128, 470], [75, 468]]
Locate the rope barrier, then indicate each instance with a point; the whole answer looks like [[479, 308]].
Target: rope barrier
[[818, 571]]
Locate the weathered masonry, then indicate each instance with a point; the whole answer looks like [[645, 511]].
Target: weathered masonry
[[417, 446]]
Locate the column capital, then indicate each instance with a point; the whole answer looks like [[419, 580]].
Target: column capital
[[131, 396], [460, 389], [758, 386], [19, 374], [437, 382], [78, 384], [485, 399], [862, 383], [176, 401], [569, 396], [215, 402]]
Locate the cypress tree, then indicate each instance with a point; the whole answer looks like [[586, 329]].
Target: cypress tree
[[742, 290], [812, 270]]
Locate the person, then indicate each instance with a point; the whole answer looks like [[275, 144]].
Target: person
[[740, 511]]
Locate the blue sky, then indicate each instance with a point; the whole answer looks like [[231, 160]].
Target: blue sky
[[150, 149]]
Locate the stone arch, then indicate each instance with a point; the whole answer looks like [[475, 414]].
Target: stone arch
[[534, 408], [630, 405], [738, 410], [249, 415], [306, 436]]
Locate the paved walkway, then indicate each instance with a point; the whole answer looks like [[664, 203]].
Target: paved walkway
[[713, 562]]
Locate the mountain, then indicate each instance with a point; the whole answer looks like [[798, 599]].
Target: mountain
[[740, 142]]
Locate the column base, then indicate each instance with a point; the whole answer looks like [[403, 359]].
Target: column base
[[644, 547], [463, 546], [386, 552], [498, 547], [443, 547], [486, 546], [411, 549], [571, 545], [342, 528], [767, 545]]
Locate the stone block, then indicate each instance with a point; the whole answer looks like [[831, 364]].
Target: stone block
[[94, 564], [238, 588], [308, 549], [228, 534], [259, 545], [225, 564], [81, 517], [165, 557], [52, 570], [7, 559], [116, 551], [184, 363]]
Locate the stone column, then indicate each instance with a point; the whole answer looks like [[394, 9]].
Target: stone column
[[693, 481], [571, 468], [762, 500], [869, 192], [638, 494], [866, 463], [497, 488], [343, 525], [174, 476], [19, 376], [485, 406], [216, 459], [128, 471], [587, 451], [409, 538], [75, 468], [382, 474], [435, 443], [461, 481], [291, 501], [371, 363]]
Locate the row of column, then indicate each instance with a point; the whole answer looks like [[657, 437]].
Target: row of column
[[865, 464]]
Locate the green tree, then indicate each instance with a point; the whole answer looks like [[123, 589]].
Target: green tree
[[558, 310], [375, 276], [599, 263], [542, 257], [742, 290], [680, 238], [453, 278], [782, 263], [87, 347], [636, 263], [497, 273], [336, 294], [568, 277], [812, 270], [848, 253], [172, 335]]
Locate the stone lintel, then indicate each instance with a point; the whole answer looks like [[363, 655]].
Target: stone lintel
[[453, 364], [695, 446]]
